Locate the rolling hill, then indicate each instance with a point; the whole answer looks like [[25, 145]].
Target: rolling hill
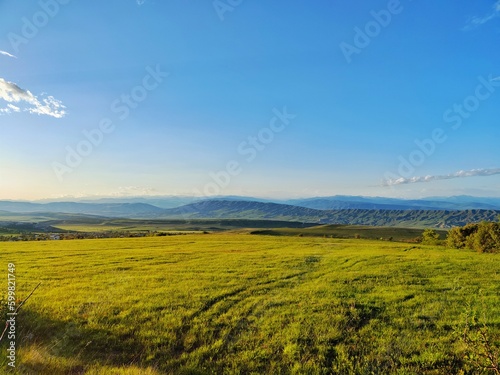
[[273, 211], [337, 202], [390, 215]]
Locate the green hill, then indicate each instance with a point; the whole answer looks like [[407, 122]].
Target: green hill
[[274, 211]]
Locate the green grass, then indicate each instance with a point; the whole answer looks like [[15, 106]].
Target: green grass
[[125, 228], [172, 225], [351, 231], [260, 227], [243, 304]]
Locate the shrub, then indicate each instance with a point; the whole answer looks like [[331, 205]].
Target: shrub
[[487, 238], [430, 237], [483, 237], [480, 346], [455, 238]]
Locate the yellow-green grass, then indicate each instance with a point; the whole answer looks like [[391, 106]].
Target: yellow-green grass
[[350, 231], [128, 228], [243, 304]]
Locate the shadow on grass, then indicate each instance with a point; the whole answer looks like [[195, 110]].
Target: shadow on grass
[[66, 347]]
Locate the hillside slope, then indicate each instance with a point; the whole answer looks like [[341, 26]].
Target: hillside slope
[[259, 210]]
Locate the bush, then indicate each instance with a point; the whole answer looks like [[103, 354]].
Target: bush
[[430, 237], [460, 237], [455, 239], [487, 238], [483, 237], [480, 346]]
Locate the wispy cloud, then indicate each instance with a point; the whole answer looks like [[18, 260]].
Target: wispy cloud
[[429, 178], [12, 93], [10, 108], [478, 21], [134, 191], [7, 54]]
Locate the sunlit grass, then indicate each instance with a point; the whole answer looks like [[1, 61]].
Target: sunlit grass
[[244, 304]]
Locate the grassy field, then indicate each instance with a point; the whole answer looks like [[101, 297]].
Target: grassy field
[[260, 227], [351, 231], [247, 304], [130, 225]]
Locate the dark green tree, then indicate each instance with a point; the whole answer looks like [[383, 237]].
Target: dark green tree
[[483, 237], [430, 237]]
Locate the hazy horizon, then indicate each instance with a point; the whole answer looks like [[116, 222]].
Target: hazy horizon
[[203, 197]]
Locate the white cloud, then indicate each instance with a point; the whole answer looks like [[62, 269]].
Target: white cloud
[[7, 54], [12, 93], [134, 191], [10, 108], [429, 178], [478, 21]]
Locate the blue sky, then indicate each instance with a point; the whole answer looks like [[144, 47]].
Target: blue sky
[[274, 100]]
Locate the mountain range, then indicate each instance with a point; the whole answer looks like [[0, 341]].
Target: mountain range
[[337, 202], [433, 212]]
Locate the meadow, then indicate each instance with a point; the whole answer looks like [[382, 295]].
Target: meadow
[[250, 304]]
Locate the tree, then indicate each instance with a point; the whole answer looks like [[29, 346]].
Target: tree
[[487, 238], [460, 237], [455, 238], [430, 237], [483, 237]]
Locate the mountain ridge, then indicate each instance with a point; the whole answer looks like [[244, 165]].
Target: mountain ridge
[[272, 211], [459, 202], [389, 215]]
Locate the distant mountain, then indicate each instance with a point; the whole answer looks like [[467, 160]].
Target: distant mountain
[[466, 200], [160, 201], [380, 203], [227, 209], [219, 209], [100, 209], [325, 210], [337, 202]]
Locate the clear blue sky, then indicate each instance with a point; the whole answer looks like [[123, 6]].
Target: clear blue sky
[[421, 68]]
